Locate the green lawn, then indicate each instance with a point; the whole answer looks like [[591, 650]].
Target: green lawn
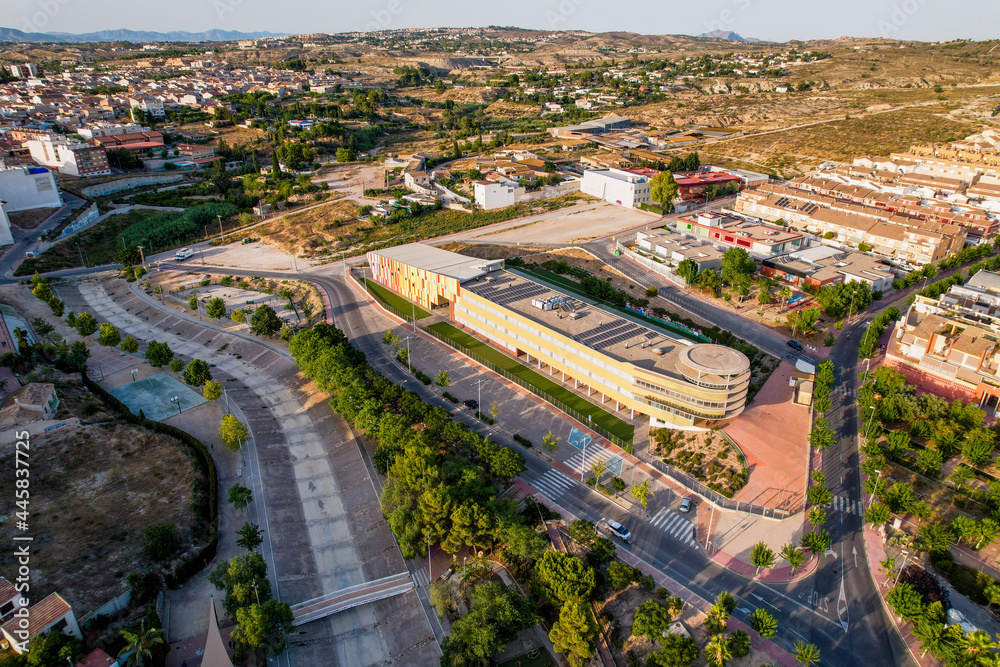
[[391, 298], [601, 417]]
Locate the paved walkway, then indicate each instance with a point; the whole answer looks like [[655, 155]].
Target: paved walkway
[[733, 535], [778, 455]]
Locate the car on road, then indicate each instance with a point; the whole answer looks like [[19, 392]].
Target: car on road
[[795, 345], [471, 403], [686, 505], [183, 254], [620, 531]]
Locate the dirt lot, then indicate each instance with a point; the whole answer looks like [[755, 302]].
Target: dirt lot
[[31, 218], [317, 231], [93, 490]]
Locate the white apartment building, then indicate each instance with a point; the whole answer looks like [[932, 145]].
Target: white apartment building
[[492, 195], [109, 129], [69, 156], [24, 188], [616, 186], [150, 105]]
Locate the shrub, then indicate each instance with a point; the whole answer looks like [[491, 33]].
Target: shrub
[[521, 440], [160, 541]]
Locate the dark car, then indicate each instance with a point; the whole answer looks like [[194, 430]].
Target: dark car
[[795, 345], [471, 403]]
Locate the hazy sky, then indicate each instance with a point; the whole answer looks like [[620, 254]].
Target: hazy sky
[[768, 19]]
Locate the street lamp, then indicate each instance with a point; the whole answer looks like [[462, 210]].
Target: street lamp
[[871, 421], [133, 372], [176, 401], [408, 366], [875, 488], [902, 567], [479, 403], [868, 363]]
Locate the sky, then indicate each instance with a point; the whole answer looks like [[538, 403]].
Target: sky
[[778, 20]]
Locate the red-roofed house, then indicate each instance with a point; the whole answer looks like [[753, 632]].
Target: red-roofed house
[[98, 658], [52, 613], [10, 599]]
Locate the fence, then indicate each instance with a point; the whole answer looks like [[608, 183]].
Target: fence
[[110, 607], [84, 220], [580, 417]]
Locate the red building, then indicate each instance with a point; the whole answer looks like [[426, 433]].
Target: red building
[[693, 185]]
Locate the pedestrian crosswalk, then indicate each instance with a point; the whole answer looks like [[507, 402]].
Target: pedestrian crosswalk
[[420, 576], [847, 505], [674, 525], [581, 461], [553, 484]]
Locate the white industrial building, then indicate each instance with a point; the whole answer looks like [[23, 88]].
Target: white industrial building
[[616, 186], [6, 238], [25, 188], [492, 195]]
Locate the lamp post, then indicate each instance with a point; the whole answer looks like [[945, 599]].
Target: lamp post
[[408, 366], [875, 488], [906, 555], [868, 428], [176, 401], [868, 363], [429, 578], [479, 403], [133, 372]]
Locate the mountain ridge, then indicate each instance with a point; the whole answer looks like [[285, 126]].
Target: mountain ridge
[[14, 35]]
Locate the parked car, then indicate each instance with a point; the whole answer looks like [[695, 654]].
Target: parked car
[[686, 505], [795, 345], [620, 531], [471, 403]]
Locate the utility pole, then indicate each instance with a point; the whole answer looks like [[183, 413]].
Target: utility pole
[[219, 217], [142, 257], [81, 255]]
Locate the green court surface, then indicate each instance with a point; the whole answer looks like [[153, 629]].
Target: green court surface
[[390, 298], [152, 395], [601, 417], [538, 657]]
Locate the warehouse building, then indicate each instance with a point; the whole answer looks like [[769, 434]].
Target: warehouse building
[[616, 186], [641, 368]]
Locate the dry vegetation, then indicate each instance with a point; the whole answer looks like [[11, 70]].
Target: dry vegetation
[[31, 218], [707, 456], [94, 488], [312, 232]]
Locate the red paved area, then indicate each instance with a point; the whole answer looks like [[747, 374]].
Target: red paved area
[[773, 434]]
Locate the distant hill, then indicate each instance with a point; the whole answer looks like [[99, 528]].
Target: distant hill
[[12, 35], [728, 36]]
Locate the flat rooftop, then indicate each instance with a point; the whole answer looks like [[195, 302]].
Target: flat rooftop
[[733, 227], [605, 331], [429, 258]]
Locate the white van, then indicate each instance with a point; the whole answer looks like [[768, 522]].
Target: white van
[[183, 254]]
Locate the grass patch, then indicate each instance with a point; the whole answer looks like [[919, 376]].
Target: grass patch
[[100, 242], [390, 298], [601, 417]]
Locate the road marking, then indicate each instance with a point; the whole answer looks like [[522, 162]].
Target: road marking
[[553, 484]]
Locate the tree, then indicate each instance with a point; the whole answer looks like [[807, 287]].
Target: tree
[[54, 647], [193, 303], [641, 493], [963, 527], [157, 354], [651, 619], [244, 580], [130, 345], [762, 556], [160, 541], [494, 410], [551, 442], [140, 644], [819, 495], [736, 265], [806, 654], [177, 364], [233, 432], [688, 270], [877, 514], [507, 464], [197, 373], [663, 189], [239, 315], [793, 555], [739, 642], [262, 629], [677, 651], [251, 536], [978, 447], [212, 391], [574, 633], [621, 575], [109, 336], [763, 623], [929, 461], [495, 616], [718, 652], [216, 308], [239, 496], [817, 516], [905, 601], [442, 379], [961, 475], [815, 541], [85, 324], [583, 531], [597, 468], [344, 155], [264, 321], [564, 577]]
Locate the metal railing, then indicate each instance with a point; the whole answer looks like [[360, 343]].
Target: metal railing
[[549, 398]]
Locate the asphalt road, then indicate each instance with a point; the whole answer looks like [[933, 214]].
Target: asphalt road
[[25, 240]]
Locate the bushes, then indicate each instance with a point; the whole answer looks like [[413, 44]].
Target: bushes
[[521, 440], [174, 228]]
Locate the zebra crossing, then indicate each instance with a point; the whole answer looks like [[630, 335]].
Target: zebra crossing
[[674, 525], [420, 576], [553, 484], [847, 505], [582, 460]]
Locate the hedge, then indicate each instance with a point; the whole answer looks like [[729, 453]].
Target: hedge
[[205, 505]]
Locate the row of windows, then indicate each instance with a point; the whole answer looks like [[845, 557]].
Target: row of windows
[[686, 412], [684, 398]]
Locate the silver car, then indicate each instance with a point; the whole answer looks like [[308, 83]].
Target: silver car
[[620, 531]]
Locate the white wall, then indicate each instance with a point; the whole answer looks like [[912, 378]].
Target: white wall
[[22, 190], [494, 195], [617, 187], [6, 238]]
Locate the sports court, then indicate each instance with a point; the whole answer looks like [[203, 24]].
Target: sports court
[[591, 453], [152, 395]]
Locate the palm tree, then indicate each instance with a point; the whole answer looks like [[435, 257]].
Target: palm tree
[[979, 644], [139, 645], [794, 555], [806, 654], [718, 652], [785, 293], [762, 556]]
